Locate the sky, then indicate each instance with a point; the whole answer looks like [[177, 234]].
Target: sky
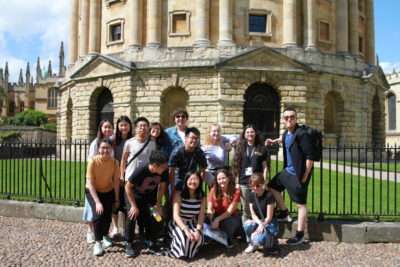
[[35, 28]]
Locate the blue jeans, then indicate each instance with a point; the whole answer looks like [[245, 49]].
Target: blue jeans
[[249, 228], [230, 225]]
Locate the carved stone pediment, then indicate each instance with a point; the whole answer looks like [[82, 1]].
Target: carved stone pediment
[[375, 75]]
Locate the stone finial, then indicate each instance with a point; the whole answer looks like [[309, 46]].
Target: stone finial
[[49, 71], [62, 58], [21, 79], [28, 70], [6, 69], [38, 71], [377, 60]]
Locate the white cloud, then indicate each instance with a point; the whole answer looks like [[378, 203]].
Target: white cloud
[[388, 67]]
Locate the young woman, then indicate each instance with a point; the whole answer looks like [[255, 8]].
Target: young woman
[[102, 192], [123, 132], [250, 157], [216, 149], [159, 136], [260, 225], [105, 130], [223, 201], [185, 229]]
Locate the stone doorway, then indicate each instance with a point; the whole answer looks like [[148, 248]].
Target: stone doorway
[[104, 109], [262, 109], [173, 98]]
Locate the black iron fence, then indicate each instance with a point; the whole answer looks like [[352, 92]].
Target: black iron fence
[[360, 180]]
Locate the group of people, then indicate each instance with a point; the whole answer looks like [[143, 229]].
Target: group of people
[[132, 174]]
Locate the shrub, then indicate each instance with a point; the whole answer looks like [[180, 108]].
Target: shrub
[[51, 126], [9, 135], [28, 118]]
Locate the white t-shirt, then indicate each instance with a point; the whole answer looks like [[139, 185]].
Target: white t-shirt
[[182, 135], [132, 146]]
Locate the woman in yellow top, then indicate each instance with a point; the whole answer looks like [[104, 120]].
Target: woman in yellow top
[[102, 191]]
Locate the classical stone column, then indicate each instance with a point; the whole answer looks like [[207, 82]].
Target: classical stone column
[[353, 27], [94, 26], [153, 23], [289, 23], [342, 27], [73, 31], [225, 23], [309, 22], [202, 20], [84, 28], [370, 32], [136, 24]]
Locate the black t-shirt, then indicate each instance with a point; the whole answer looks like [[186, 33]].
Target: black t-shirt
[[146, 183], [266, 199], [252, 157], [187, 161]]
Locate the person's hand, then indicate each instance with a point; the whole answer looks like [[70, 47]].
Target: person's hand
[[116, 204], [133, 213], [269, 142], [215, 224], [159, 210], [99, 208], [260, 229], [197, 236], [189, 234], [228, 147]]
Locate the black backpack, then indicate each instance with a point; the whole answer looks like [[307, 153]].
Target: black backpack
[[317, 136]]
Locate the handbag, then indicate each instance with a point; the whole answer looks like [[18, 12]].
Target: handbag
[[271, 242]]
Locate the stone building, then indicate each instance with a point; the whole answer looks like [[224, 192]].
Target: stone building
[[393, 109], [230, 62], [41, 96]]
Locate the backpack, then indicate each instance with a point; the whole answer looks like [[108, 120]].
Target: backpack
[[317, 141]]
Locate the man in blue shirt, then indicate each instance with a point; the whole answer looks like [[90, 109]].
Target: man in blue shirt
[[298, 152]]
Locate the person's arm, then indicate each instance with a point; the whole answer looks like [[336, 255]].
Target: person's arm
[[228, 213], [309, 166], [203, 174], [161, 192], [123, 165], [93, 193], [269, 141], [116, 184], [200, 221], [134, 211], [255, 218], [270, 214], [265, 169], [172, 180], [176, 204], [210, 210]]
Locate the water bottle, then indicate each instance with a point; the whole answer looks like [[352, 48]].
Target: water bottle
[[155, 214]]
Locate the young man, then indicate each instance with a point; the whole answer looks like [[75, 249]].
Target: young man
[[298, 152], [188, 157], [176, 134], [145, 189]]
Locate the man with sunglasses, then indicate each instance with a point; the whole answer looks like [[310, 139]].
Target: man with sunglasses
[[176, 134], [298, 153]]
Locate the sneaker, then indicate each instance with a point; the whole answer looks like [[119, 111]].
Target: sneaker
[[284, 216], [154, 249], [130, 253], [229, 243], [90, 237], [251, 248], [98, 249], [106, 242], [295, 241], [114, 233]]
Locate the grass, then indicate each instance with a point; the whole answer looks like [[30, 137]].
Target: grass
[[384, 166]]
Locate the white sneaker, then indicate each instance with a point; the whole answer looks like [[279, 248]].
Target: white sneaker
[[114, 233], [106, 242], [90, 237], [98, 249], [251, 248]]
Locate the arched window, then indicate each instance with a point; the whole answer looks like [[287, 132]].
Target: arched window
[[173, 98], [330, 122], [21, 106], [391, 104], [104, 106]]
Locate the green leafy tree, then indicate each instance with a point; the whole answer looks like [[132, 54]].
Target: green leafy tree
[[28, 118]]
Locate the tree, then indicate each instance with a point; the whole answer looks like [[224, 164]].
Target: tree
[[28, 118]]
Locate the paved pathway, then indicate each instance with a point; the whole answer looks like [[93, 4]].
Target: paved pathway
[[37, 242]]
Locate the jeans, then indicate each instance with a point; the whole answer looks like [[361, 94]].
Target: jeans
[[230, 225], [250, 226], [244, 200]]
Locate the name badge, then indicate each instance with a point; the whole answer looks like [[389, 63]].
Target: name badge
[[249, 171]]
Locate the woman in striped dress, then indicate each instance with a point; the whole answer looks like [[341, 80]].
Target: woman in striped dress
[[185, 229]]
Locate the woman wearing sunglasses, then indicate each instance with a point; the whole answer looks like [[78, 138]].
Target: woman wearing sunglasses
[[176, 134]]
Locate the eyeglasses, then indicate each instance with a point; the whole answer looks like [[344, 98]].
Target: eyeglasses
[[104, 147], [180, 117], [292, 117], [193, 138], [142, 125], [256, 185]]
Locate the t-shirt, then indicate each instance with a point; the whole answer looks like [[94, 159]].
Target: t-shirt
[[265, 199], [252, 157], [103, 173], [132, 146], [118, 149], [187, 161], [146, 183], [223, 205], [288, 140]]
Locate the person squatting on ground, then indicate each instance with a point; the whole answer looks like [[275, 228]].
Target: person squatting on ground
[[223, 202], [250, 157], [123, 132], [298, 151], [261, 224], [105, 130], [186, 227], [102, 192], [144, 190]]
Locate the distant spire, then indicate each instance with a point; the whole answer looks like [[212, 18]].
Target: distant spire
[[62, 57], [1, 76], [21, 79], [28, 70], [6, 69], [38, 71], [49, 71], [394, 70], [377, 60]]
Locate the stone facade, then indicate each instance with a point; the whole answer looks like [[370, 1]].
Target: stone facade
[[213, 59], [392, 108]]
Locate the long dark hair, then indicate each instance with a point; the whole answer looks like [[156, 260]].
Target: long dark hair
[[241, 146], [161, 140], [118, 135], [100, 135], [218, 194], [199, 193]]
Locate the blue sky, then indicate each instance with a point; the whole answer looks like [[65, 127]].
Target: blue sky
[[36, 28]]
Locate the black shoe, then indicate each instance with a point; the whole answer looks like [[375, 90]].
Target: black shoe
[[229, 243], [130, 253], [295, 241], [154, 249], [284, 216]]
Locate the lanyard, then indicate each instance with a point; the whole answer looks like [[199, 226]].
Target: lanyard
[[251, 153]]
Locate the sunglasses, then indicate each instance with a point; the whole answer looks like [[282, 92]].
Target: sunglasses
[[292, 117], [180, 117]]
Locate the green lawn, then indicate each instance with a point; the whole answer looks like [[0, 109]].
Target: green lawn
[[384, 166]]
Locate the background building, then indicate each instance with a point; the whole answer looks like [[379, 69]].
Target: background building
[[393, 109], [230, 62]]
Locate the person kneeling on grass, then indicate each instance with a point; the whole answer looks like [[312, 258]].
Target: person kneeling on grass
[[262, 222], [141, 195], [102, 191]]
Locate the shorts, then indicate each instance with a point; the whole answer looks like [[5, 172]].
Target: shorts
[[121, 207], [296, 189], [87, 212]]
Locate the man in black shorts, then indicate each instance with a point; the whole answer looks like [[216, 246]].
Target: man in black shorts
[[298, 152]]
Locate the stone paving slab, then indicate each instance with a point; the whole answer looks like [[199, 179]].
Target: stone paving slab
[[41, 242]]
